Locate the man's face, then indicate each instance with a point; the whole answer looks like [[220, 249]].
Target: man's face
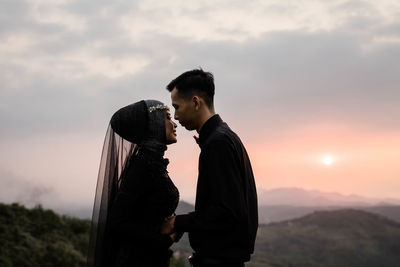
[[185, 111]]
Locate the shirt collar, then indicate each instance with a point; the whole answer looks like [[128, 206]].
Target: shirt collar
[[208, 127]]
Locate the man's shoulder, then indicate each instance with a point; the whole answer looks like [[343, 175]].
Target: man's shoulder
[[222, 136]]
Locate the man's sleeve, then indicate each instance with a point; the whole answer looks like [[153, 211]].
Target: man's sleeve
[[221, 187]]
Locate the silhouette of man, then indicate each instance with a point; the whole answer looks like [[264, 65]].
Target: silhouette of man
[[222, 229]]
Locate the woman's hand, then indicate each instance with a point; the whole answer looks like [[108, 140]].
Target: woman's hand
[[167, 228]]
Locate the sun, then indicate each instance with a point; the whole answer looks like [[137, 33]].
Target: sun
[[327, 160]]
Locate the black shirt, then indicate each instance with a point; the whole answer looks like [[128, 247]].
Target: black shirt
[[225, 221]]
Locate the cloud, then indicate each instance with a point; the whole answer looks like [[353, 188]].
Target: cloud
[[279, 66], [72, 64], [17, 189], [292, 79]]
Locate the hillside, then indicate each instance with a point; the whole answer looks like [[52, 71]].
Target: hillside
[[38, 237], [337, 237], [329, 238]]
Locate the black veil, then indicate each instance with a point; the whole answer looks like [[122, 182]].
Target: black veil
[[115, 155], [137, 125]]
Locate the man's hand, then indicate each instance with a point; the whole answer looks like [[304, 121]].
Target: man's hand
[[167, 228]]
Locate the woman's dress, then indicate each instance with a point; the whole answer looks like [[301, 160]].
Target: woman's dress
[[145, 198]]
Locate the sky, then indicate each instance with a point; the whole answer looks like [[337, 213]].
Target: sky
[[311, 87]]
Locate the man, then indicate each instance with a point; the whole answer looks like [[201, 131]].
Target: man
[[223, 227]]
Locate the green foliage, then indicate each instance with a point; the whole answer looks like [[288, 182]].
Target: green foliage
[[38, 237]]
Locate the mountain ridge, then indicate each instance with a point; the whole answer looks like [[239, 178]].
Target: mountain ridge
[[344, 237], [296, 196]]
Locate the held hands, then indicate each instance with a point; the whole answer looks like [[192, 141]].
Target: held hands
[[167, 228]]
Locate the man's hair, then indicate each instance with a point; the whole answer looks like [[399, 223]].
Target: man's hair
[[194, 82]]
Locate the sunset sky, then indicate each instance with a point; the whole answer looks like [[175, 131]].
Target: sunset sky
[[311, 87]]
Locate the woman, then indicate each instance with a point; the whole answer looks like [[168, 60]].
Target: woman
[[134, 193]]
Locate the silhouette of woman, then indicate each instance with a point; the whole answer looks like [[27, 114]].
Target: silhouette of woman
[[134, 193]]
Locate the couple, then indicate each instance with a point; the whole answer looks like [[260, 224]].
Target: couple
[[134, 223]]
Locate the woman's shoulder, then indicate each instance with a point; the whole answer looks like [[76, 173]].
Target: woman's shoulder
[[143, 168], [148, 158]]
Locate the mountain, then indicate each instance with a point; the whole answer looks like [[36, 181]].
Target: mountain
[[329, 238], [312, 198], [365, 236], [391, 212], [346, 237], [287, 203], [281, 204], [268, 214], [85, 212]]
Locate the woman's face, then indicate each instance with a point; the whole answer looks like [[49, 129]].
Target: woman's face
[[170, 128]]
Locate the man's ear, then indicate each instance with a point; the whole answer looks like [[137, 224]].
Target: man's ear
[[196, 102]]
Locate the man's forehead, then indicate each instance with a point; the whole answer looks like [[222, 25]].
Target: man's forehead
[[174, 91], [175, 96]]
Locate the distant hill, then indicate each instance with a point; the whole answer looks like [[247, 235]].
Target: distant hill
[[312, 198], [334, 237], [85, 212], [39, 237], [329, 238], [286, 203], [268, 214], [391, 212]]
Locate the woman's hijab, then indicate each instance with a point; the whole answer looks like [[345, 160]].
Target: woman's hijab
[[136, 126]]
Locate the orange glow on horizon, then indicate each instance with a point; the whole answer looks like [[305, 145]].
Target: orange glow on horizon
[[362, 163]]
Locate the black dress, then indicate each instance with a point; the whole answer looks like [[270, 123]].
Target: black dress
[[145, 198]]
